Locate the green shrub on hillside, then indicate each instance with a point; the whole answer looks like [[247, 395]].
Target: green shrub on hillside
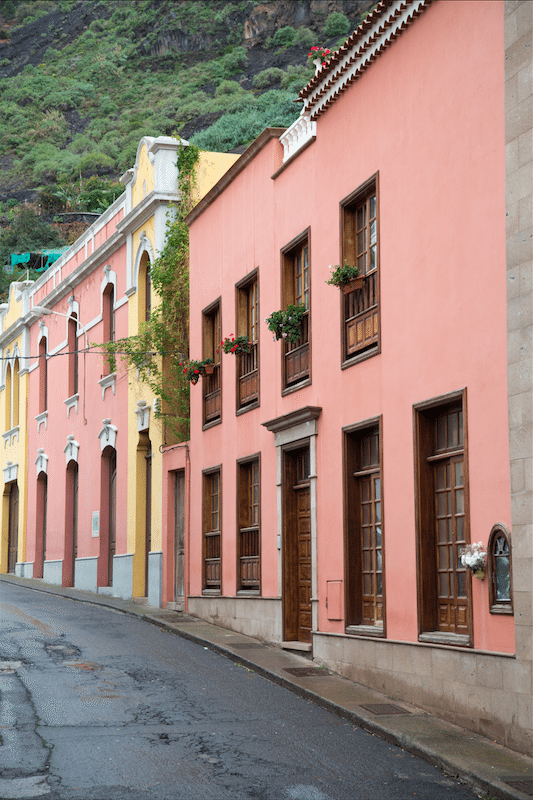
[[229, 65], [305, 38], [267, 77], [273, 109], [336, 24], [226, 87], [95, 164], [294, 78], [282, 38]]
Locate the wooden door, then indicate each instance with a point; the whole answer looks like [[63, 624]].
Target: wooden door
[[13, 530], [112, 536], [148, 513], [452, 584], [179, 534], [297, 547]]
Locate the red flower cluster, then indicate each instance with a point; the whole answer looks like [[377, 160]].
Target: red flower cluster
[[323, 53]]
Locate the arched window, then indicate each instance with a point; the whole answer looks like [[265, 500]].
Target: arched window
[[11, 408], [15, 395], [108, 303], [43, 377], [500, 570], [144, 288], [73, 355], [7, 405]]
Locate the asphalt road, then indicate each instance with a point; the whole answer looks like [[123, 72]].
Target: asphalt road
[[96, 705]]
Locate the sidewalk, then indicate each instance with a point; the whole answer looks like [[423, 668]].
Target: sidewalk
[[479, 763]]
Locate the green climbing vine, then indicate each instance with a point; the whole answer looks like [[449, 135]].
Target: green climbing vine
[[162, 343]]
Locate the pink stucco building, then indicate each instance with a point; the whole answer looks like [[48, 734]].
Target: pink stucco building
[[336, 478]]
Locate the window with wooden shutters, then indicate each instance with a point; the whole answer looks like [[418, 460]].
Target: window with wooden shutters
[[443, 526], [73, 352], [500, 570], [247, 325], [211, 384], [360, 248], [297, 291], [249, 520], [108, 315], [43, 376], [364, 531], [212, 532]]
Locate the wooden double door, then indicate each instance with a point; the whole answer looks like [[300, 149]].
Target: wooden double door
[[13, 529], [297, 546]]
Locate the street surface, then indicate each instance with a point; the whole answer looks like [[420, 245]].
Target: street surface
[[97, 705]]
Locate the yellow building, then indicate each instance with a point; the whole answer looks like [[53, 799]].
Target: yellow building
[[151, 188], [14, 344]]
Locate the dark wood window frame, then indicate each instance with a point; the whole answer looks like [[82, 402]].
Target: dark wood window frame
[[40, 523], [249, 526], [360, 310], [297, 353], [496, 554], [8, 383], [73, 355], [247, 324], [212, 384], [108, 316], [354, 473], [212, 536], [427, 460], [43, 375], [108, 515], [71, 523]]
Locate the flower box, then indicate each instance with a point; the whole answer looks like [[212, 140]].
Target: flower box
[[353, 285]]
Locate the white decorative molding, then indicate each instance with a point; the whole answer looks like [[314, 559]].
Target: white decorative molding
[[298, 134], [42, 461], [71, 402], [108, 435], [108, 382], [11, 472], [42, 419], [72, 449], [9, 436], [143, 416]]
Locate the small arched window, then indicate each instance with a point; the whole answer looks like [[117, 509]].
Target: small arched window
[[108, 315], [73, 354], [500, 570], [43, 376]]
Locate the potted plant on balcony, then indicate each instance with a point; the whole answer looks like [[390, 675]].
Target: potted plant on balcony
[[320, 57], [287, 324], [193, 370], [347, 278], [473, 556], [236, 344]]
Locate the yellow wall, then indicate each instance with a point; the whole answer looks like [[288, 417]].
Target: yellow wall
[[211, 167], [144, 179], [16, 452]]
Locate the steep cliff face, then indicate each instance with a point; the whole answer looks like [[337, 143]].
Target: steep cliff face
[[258, 21], [266, 18]]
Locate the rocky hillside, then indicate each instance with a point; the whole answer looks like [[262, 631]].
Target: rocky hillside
[[81, 81]]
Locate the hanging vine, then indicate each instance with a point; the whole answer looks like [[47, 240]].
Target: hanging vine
[[162, 342]]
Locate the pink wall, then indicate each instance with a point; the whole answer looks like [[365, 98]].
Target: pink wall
[[427, 116], [86, 424]]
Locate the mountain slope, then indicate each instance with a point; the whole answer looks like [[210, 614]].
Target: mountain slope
[[85, 80]]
